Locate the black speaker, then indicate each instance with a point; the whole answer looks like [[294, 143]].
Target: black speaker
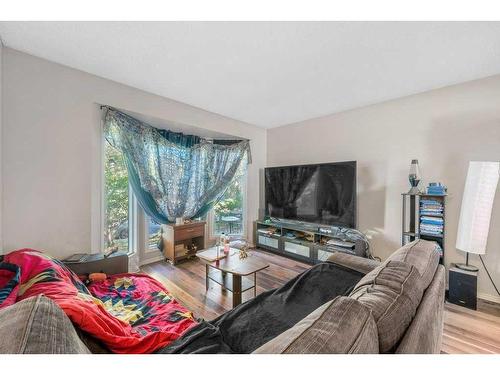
[[462, 287]]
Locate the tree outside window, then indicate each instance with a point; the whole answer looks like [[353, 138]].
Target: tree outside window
[[116, 195], [229, 211]]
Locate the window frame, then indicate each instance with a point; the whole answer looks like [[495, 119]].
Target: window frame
[[147, 248], [133, 207], [138, 220]]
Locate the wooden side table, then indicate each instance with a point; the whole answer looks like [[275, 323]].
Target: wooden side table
[[177, 237]]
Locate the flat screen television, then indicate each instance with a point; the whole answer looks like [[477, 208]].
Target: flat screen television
[[316, 193]]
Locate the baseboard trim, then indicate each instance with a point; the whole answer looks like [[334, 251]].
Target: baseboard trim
[[157, 258], [489, 297]]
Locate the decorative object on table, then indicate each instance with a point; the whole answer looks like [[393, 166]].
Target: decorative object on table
[[220, 243], [462, 287], [226, 245], [475, 214], [414, 177], [244, 251]]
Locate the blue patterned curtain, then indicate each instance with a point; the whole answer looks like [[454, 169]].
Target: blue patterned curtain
[[173, 174]]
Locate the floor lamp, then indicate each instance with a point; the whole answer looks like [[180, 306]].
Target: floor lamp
[[475, 214]]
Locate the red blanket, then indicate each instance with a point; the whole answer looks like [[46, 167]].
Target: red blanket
[[129, 313]]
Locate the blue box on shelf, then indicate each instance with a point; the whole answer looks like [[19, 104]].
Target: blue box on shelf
[[436, 188]]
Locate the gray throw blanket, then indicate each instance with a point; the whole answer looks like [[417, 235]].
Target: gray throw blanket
[[255, 322]]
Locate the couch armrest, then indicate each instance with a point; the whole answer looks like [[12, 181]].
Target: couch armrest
[[363, 265], [114, 264], [37, 325], [341, 326]]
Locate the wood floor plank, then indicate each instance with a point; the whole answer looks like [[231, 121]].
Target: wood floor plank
[[465, 330]]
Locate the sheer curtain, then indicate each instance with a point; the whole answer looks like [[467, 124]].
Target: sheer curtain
[[172, 174]]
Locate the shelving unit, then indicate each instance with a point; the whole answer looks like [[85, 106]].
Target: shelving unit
[[305, 242], [412, 217]]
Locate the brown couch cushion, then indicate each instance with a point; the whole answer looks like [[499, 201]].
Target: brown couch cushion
[[37, 325], [421, 254], [342, 325], [392, 292]]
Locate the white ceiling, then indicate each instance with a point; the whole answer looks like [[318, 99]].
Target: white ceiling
[[269, 73]]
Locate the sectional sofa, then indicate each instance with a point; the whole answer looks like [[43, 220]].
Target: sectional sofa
[[396, 307]]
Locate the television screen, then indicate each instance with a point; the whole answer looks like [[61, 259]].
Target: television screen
[[316, 193]]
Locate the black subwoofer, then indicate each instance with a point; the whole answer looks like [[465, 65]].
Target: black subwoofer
[[462, 288]]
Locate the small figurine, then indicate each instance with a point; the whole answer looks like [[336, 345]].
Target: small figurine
[[244, 251]]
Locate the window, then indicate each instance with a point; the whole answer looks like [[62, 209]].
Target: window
[[117, 202], [126, 226], [153, 234], [121, 212], [228, 215]]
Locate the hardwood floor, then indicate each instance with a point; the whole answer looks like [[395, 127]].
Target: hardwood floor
[[465, 331], [469, 331], [186, 282]]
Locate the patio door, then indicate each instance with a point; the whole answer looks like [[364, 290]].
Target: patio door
[[229, 215]]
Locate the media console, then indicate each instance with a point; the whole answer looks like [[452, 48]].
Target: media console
[[311, 243]]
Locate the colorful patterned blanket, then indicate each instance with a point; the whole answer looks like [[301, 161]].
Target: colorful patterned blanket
[[129, 313]]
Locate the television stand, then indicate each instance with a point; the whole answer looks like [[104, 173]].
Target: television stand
[[310, 243]]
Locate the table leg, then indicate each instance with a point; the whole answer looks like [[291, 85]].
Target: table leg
[[223, 274], [236, 290], [255, 284], [206, 276]]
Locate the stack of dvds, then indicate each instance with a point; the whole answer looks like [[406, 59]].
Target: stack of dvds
[[431, 218]]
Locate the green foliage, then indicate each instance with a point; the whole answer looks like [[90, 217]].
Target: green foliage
[[116, 192], [232, 201]]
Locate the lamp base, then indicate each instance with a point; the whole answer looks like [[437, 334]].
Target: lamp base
[[467, 267]]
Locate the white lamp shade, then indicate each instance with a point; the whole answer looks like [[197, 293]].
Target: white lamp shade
[[477, 204]]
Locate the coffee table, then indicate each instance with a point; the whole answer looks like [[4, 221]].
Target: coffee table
[[218, 271]]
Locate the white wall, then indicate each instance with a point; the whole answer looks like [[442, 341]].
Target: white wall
[[51, 150], [443, 129]]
